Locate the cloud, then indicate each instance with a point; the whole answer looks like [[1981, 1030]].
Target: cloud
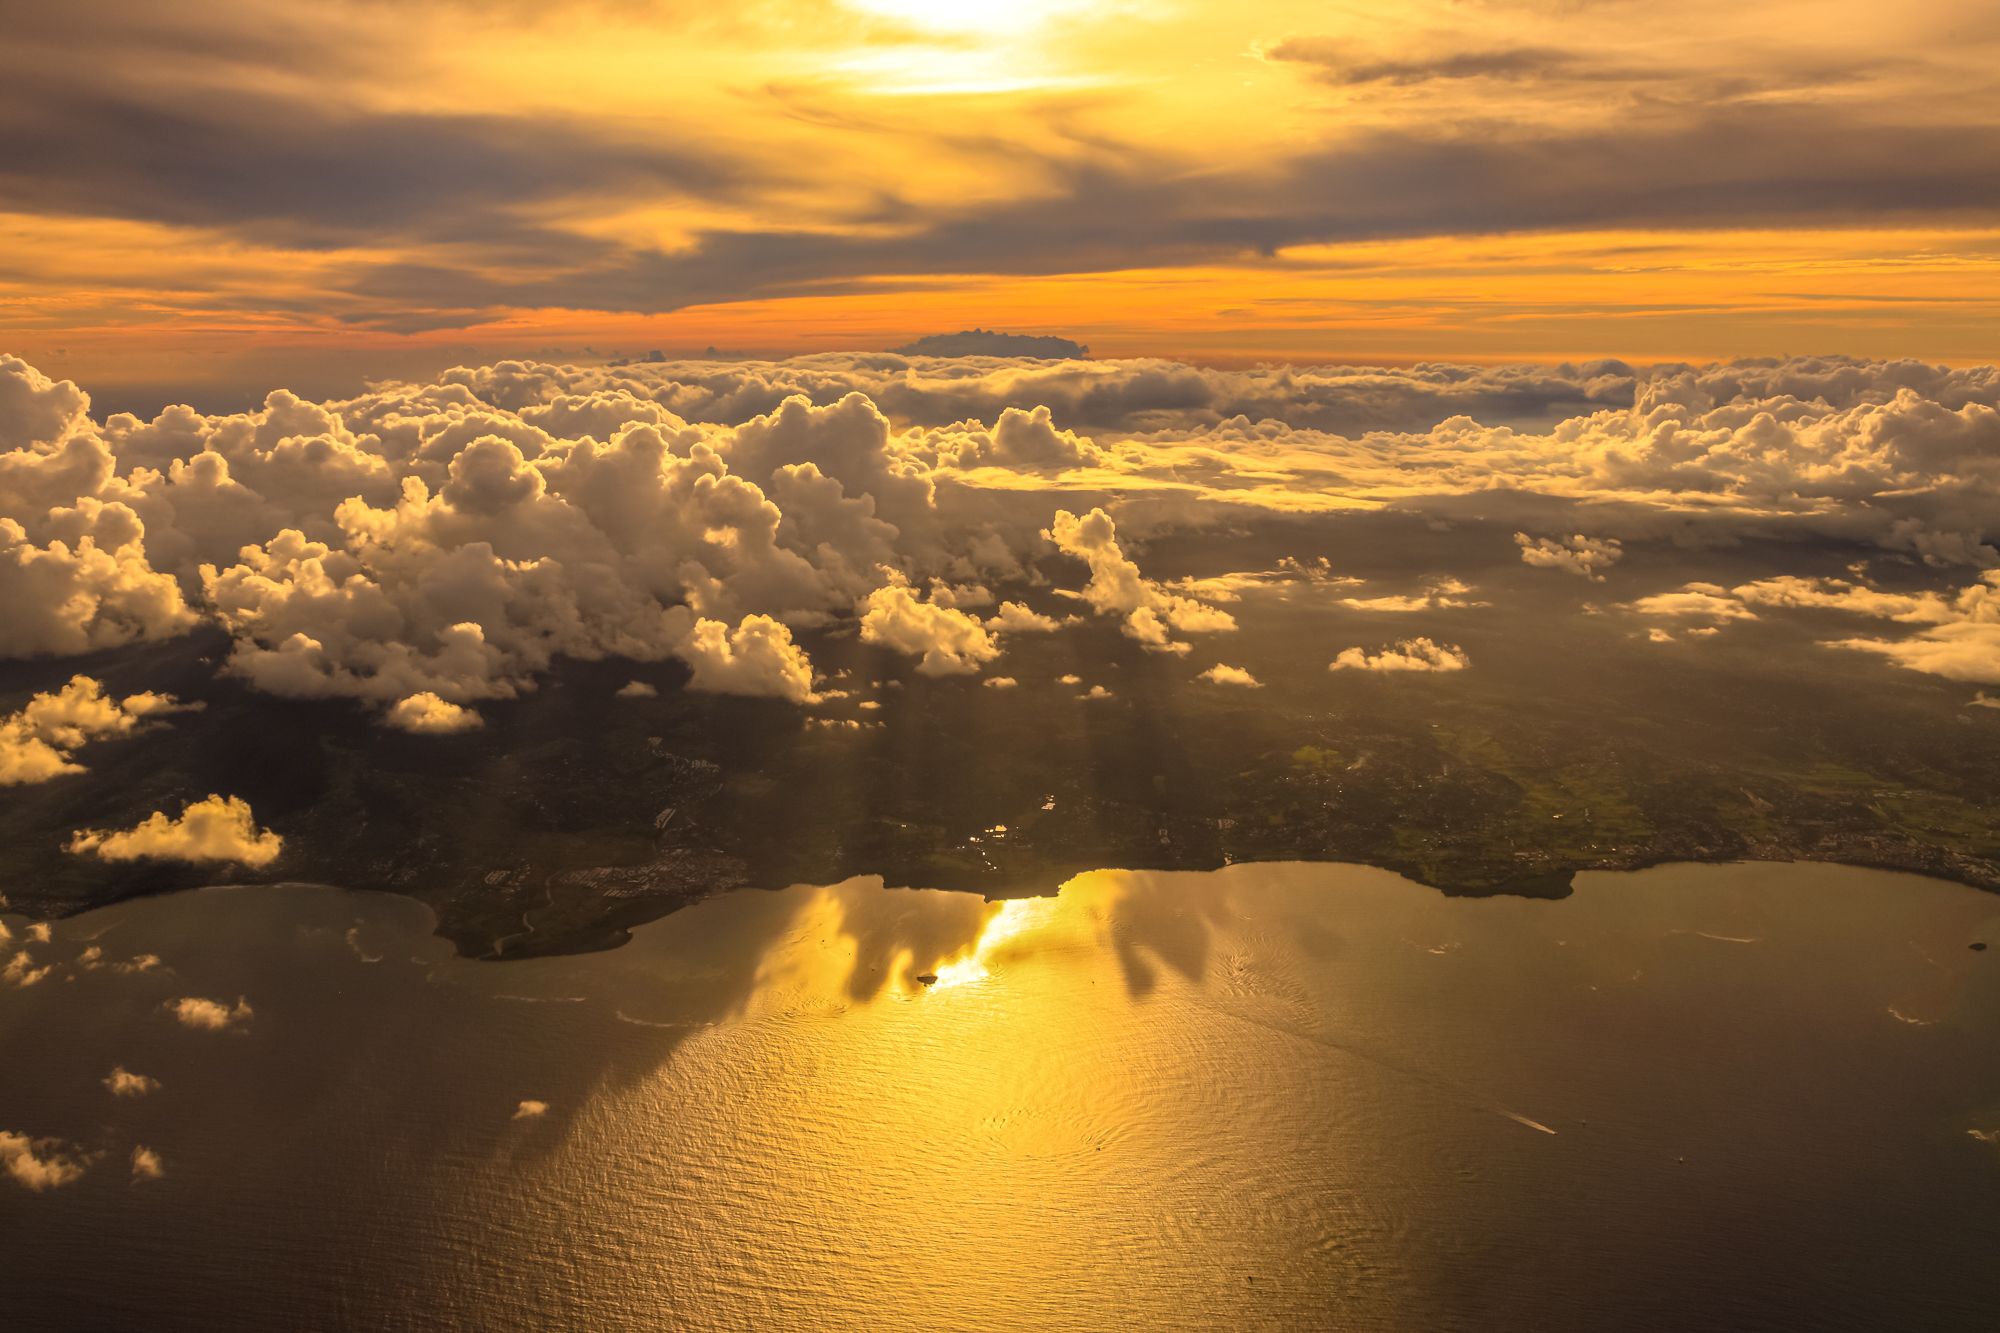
[[758, 657], [1444, 594], [38, 1164], [1336, 62], [1150, 613], [637, 689], [1418, 654], [1746, 164], [192, 1011], [1586, 557], [215, 828], [21, 972], [1016, 618], [453, 538], [121, 1082], [424, 714], [530, 1109], [146, 1164], [949, 641], [36, 743], [94, 591], [290, 164], [1706, 601], [1000, 682], [1221, 674], [1967, 651], [1958, 636]]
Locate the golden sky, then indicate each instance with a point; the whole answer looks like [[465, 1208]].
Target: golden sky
[[243, 188]]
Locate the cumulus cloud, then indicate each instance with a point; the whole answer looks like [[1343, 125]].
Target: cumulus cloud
[[38, 1164], [215, 828], [204, 1015], [637, 689], [37, 742], [1418, 654], [425, 547], [121, 1082], [95, 591], [758, 657], [1587, 557], [1018, 618], [530, 1109], [1150, 613], [424, 714], [146, 1164], [1223, 674], [949, 641], [1000, 682]]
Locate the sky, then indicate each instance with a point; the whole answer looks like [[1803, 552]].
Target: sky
[[256, 192]]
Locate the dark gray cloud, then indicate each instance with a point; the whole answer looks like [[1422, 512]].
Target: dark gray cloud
[[308, 170], [1748, 165], [290, 131]]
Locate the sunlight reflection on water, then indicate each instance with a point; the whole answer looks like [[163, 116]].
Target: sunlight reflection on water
[[1273, 1095]]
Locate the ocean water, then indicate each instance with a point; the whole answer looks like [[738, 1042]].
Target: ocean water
[[1275, 1096]]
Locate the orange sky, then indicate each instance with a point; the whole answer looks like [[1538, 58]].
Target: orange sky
[[246, 190]]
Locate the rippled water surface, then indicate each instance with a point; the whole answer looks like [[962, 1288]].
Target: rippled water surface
[[1751, 1096]]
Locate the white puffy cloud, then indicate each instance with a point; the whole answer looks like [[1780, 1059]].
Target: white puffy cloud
[[38, 1164], [37, 743], [146, 1164], [1000, 682], [205, 1015], [1223, 674], [758, 657], [530, 1109], [454, 538], [950, 641], [1151, 613], [36, 410], [95, 590], [1419, 654], [424, 714], [215, 828], [1017, 618], [122, 1082], [1587, 557]]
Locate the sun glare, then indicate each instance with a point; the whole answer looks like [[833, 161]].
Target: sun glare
[[943, 16], [1010, 921]]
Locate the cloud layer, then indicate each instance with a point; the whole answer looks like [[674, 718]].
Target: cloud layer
[[424, 548]]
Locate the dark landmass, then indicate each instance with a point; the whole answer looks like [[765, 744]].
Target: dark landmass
[[986, 342], [1571, 744]]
